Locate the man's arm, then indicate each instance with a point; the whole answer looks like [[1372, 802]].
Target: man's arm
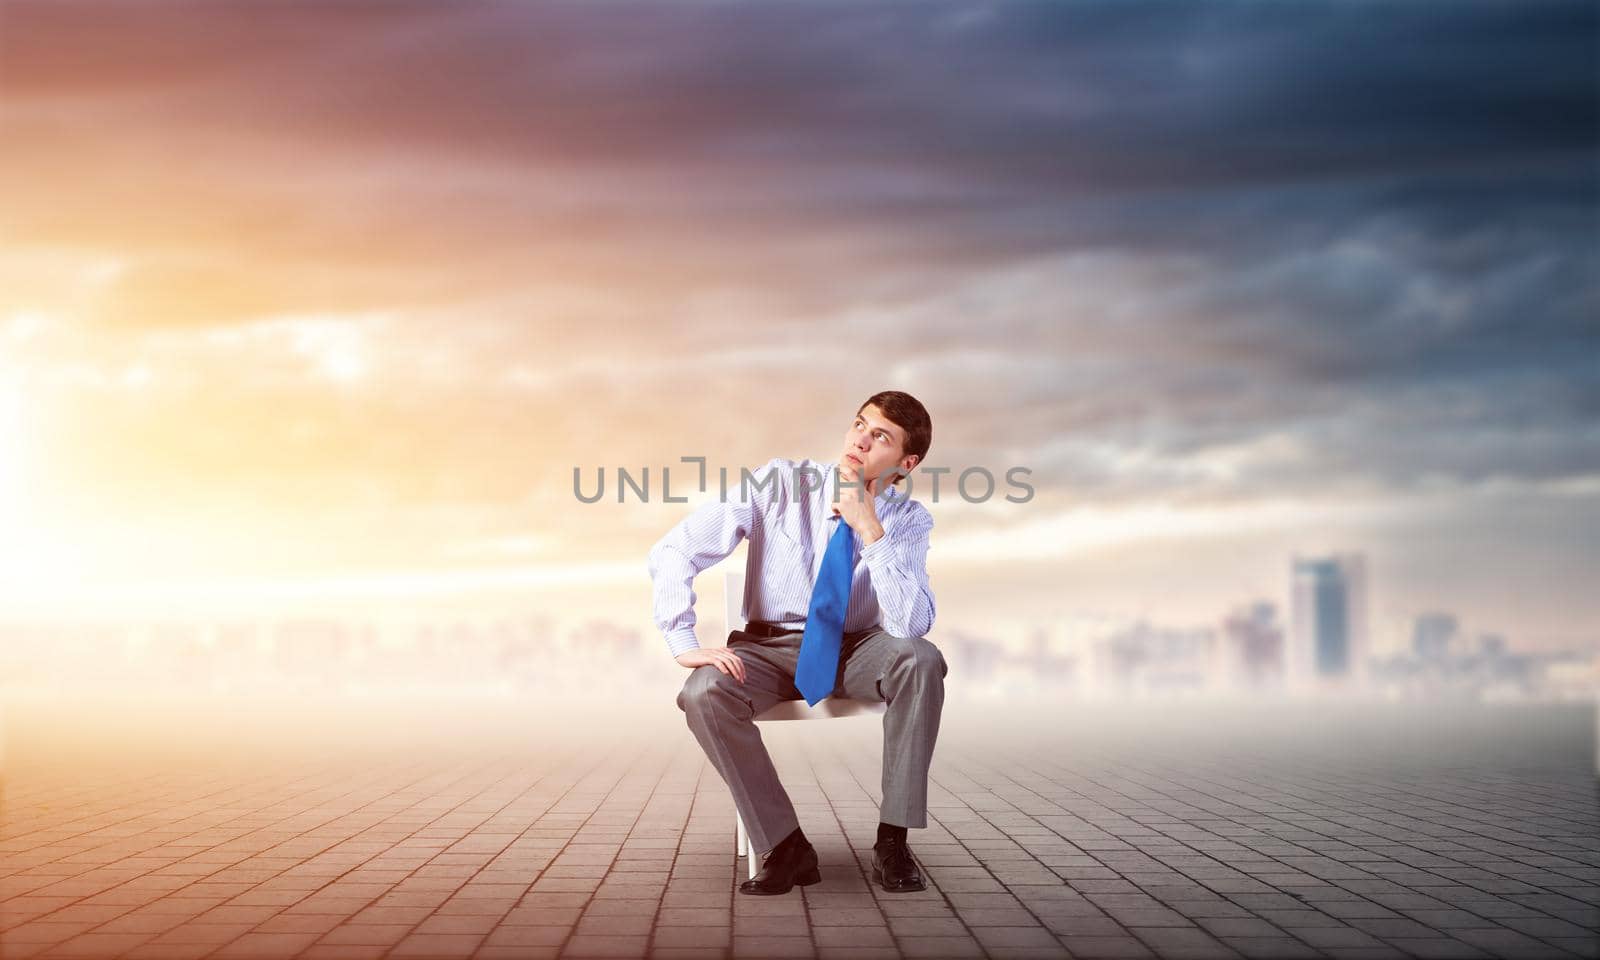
[[898, 562], [707, 535]]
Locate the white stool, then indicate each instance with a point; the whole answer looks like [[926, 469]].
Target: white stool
[[825, 709]]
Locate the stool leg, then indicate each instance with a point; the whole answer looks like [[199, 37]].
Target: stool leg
[[743, 843]]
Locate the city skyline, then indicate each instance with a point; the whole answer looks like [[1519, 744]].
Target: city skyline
[[1248, 656], [1323, 644]]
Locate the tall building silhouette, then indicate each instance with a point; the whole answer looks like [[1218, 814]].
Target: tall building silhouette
[[1252, 651], [1433, 635], [1328, 638]]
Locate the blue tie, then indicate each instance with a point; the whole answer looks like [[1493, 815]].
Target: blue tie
[[818, 667]]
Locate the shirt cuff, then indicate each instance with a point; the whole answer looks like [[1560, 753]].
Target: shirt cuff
[[682, 640], [877, 548]]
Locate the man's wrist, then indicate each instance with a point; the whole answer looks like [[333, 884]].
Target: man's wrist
[[682, 641]]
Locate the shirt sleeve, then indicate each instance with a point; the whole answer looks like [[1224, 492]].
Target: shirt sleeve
[[708, 534], [898, 562]]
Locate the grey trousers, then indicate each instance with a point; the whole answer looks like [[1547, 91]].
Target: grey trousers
[[907, 673]]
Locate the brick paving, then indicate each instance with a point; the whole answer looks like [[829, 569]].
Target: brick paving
[[443, 831]]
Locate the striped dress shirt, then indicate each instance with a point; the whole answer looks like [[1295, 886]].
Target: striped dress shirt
[[788, 519]]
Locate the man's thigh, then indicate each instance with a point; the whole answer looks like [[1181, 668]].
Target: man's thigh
[[868, 658], [769, 665]]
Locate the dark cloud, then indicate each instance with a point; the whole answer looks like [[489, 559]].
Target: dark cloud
[[918, 115], [1166, 229]]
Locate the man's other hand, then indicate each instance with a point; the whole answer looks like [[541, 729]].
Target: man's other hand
[[722, 658]]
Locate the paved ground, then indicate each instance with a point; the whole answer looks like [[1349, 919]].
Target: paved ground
[[439, 830]]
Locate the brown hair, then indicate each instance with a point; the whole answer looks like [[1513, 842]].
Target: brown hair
[[906, 412]]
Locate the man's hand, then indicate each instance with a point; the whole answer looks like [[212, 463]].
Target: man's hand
[[858, 507], [722, 658]]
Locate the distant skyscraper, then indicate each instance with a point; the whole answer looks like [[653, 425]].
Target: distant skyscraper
[[1252, 651], [1491, 645], [1329, 633], [1432, 635]]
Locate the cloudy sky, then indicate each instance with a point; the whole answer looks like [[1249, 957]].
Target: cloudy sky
[[328, 300]]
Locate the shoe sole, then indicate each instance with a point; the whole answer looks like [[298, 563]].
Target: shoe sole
[[877, 877], [806, 879]]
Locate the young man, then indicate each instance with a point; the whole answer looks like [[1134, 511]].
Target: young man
[[837, 599]]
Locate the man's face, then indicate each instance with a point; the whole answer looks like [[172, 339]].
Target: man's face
[[875, 446]]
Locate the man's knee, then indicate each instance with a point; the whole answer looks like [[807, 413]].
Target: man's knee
[[919, 657], [700, 689]]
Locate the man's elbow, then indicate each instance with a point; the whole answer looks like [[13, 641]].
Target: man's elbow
[[917, 623], [925, 618], [658, 554]]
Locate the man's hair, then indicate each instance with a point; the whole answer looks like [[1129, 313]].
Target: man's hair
[[906, 412]]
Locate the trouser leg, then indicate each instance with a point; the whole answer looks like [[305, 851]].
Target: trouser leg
[[721, 712], [907, 673]]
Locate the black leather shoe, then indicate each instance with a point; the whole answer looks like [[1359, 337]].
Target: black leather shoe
[[794, 861], [893, 867]]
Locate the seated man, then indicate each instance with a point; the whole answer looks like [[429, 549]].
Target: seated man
[[838, 604]]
